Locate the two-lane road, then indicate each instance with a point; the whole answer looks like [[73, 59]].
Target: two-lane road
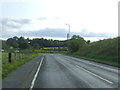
[[61, 71]]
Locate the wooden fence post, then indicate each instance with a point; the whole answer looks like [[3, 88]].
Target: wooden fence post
[[9, 57]]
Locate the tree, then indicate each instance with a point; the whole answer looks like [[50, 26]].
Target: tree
[[15, 38], [13, 42], [37, 43], [88, 42], [37, 46], [9, 41], [75, 43], [23, 43], [4, 45]]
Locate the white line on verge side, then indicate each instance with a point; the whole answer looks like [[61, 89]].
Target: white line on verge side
[[116, 71], [95, 75], [36, 74]]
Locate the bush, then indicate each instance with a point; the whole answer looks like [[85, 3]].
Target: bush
[[75, 43]]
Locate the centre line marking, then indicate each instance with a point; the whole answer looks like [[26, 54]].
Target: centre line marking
[[95, 75], [36, 74]]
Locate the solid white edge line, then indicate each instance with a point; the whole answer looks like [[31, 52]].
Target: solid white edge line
[[116, 71], [95, 75], [36, 74]]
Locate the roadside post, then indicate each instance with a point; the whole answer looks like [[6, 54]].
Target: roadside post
[[9, 57]]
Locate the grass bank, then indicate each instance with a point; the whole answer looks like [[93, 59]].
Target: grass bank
[[17, 60], [103, 51], [94, 59]]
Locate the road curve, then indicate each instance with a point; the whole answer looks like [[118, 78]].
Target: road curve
[[61, 71]]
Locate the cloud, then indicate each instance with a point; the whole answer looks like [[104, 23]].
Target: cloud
[[50, 28], [86, 33], [55, 33], [56, 18], [46, 18], [42, 18], [22, 21], [14, 23], [47, 32]]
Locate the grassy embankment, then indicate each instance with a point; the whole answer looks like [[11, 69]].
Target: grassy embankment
[[104, 51], [18, 59]]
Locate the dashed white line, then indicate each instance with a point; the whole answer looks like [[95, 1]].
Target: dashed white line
[[36, 74], [95, 75]]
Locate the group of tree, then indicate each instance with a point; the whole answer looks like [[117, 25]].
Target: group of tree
[[37, 43], [75, 43]]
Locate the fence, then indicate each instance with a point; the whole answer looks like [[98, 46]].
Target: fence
[[12, 57]]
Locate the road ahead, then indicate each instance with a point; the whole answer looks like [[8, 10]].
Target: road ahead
[[61, 71]]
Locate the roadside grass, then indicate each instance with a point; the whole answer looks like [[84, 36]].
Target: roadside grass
[[17, 60], [94, 59], [103, 51]]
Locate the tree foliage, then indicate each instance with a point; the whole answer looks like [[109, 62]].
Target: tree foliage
[[75, 43], [37, 43]]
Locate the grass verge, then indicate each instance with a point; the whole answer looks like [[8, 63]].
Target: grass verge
[[117, 64], [9, 67]]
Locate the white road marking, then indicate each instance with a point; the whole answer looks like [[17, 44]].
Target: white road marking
[[88, 62], [95, 75], [116, 71], [33, 81]]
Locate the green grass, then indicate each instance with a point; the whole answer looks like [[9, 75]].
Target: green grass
[[93, 59], [104, 51], [17, 61]]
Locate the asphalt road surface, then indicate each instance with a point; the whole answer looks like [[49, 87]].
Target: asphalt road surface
[[61, 71]]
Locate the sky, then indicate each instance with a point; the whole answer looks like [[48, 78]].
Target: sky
[[91, 19]]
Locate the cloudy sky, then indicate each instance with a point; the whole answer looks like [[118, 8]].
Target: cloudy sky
[[91, 19]]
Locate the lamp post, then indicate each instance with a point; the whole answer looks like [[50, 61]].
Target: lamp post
[[68, 34]]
